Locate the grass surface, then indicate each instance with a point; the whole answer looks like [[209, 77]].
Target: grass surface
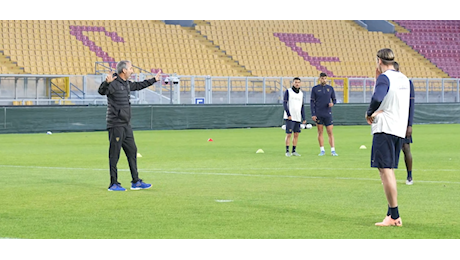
[[55, 186]]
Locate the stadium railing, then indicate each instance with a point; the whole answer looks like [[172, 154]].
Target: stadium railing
[[17, 89]]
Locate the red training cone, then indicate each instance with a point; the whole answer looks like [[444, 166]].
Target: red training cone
[[210, 140]]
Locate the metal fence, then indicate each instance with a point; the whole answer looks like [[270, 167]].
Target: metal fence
[[183, 89]]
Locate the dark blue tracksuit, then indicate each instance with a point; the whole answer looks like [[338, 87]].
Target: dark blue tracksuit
[[320, 98]]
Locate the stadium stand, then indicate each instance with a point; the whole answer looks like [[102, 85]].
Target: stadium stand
[[72, 47], [290, 48], [436, 40], [224, 48]]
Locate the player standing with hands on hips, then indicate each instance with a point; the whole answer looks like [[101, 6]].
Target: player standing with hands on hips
[[322, 99], [117, 88], [391, 97], [294, 113]]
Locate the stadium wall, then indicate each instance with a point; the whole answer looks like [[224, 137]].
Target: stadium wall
[[36, 119]]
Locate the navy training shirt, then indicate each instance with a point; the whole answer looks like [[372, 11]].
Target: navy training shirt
[[320, 98]]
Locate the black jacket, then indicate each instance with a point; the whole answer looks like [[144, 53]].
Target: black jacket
[[118, 94]]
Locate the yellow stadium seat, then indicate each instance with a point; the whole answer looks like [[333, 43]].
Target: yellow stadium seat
[[249, 43]]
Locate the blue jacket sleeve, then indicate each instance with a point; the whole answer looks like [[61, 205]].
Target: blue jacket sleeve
[[285, 103], [303, 113], [381, 89], [334, 100], [313, 102], [411, 104]]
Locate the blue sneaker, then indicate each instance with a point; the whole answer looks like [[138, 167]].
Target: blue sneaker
[[116, 187], [322, 153], [140, 185], [333, 153]]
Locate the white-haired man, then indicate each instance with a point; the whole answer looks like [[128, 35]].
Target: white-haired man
[[117, 88]]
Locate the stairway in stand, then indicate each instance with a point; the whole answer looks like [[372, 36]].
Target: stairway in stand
[[221, 54], [9, 67]]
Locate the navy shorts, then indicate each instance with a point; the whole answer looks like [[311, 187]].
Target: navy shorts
[[292, 126], [324, 120], [385, 150]]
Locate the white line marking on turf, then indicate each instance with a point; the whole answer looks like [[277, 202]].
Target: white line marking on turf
[[290, 176], [224, 200], [242, 169], [171, 171], [323, 168]]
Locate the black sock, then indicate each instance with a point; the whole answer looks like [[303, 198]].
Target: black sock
[[287, 149], [293, 149], [388, 212], [409, 175], [394, 213]]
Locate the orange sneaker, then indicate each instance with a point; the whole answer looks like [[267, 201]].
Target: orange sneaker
[[388, 221]]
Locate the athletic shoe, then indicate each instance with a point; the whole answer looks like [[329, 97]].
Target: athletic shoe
[[288, 154], [140, 185], [322, 153], [116, 187], [409, 182], [388, 221], [333, 153], [296, 154]]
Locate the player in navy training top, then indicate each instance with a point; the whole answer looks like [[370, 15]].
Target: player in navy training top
[[389, 114], [322, 99]]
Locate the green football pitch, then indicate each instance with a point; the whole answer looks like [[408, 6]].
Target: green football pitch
[[55, 186]]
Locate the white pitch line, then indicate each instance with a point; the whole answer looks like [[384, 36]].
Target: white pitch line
[[290, 176], [322, 168], [223, 200], [171, 171], [55, 168], [264, 175], [236, 169]]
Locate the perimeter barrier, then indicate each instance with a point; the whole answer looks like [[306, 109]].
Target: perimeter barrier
[[74, 118]]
